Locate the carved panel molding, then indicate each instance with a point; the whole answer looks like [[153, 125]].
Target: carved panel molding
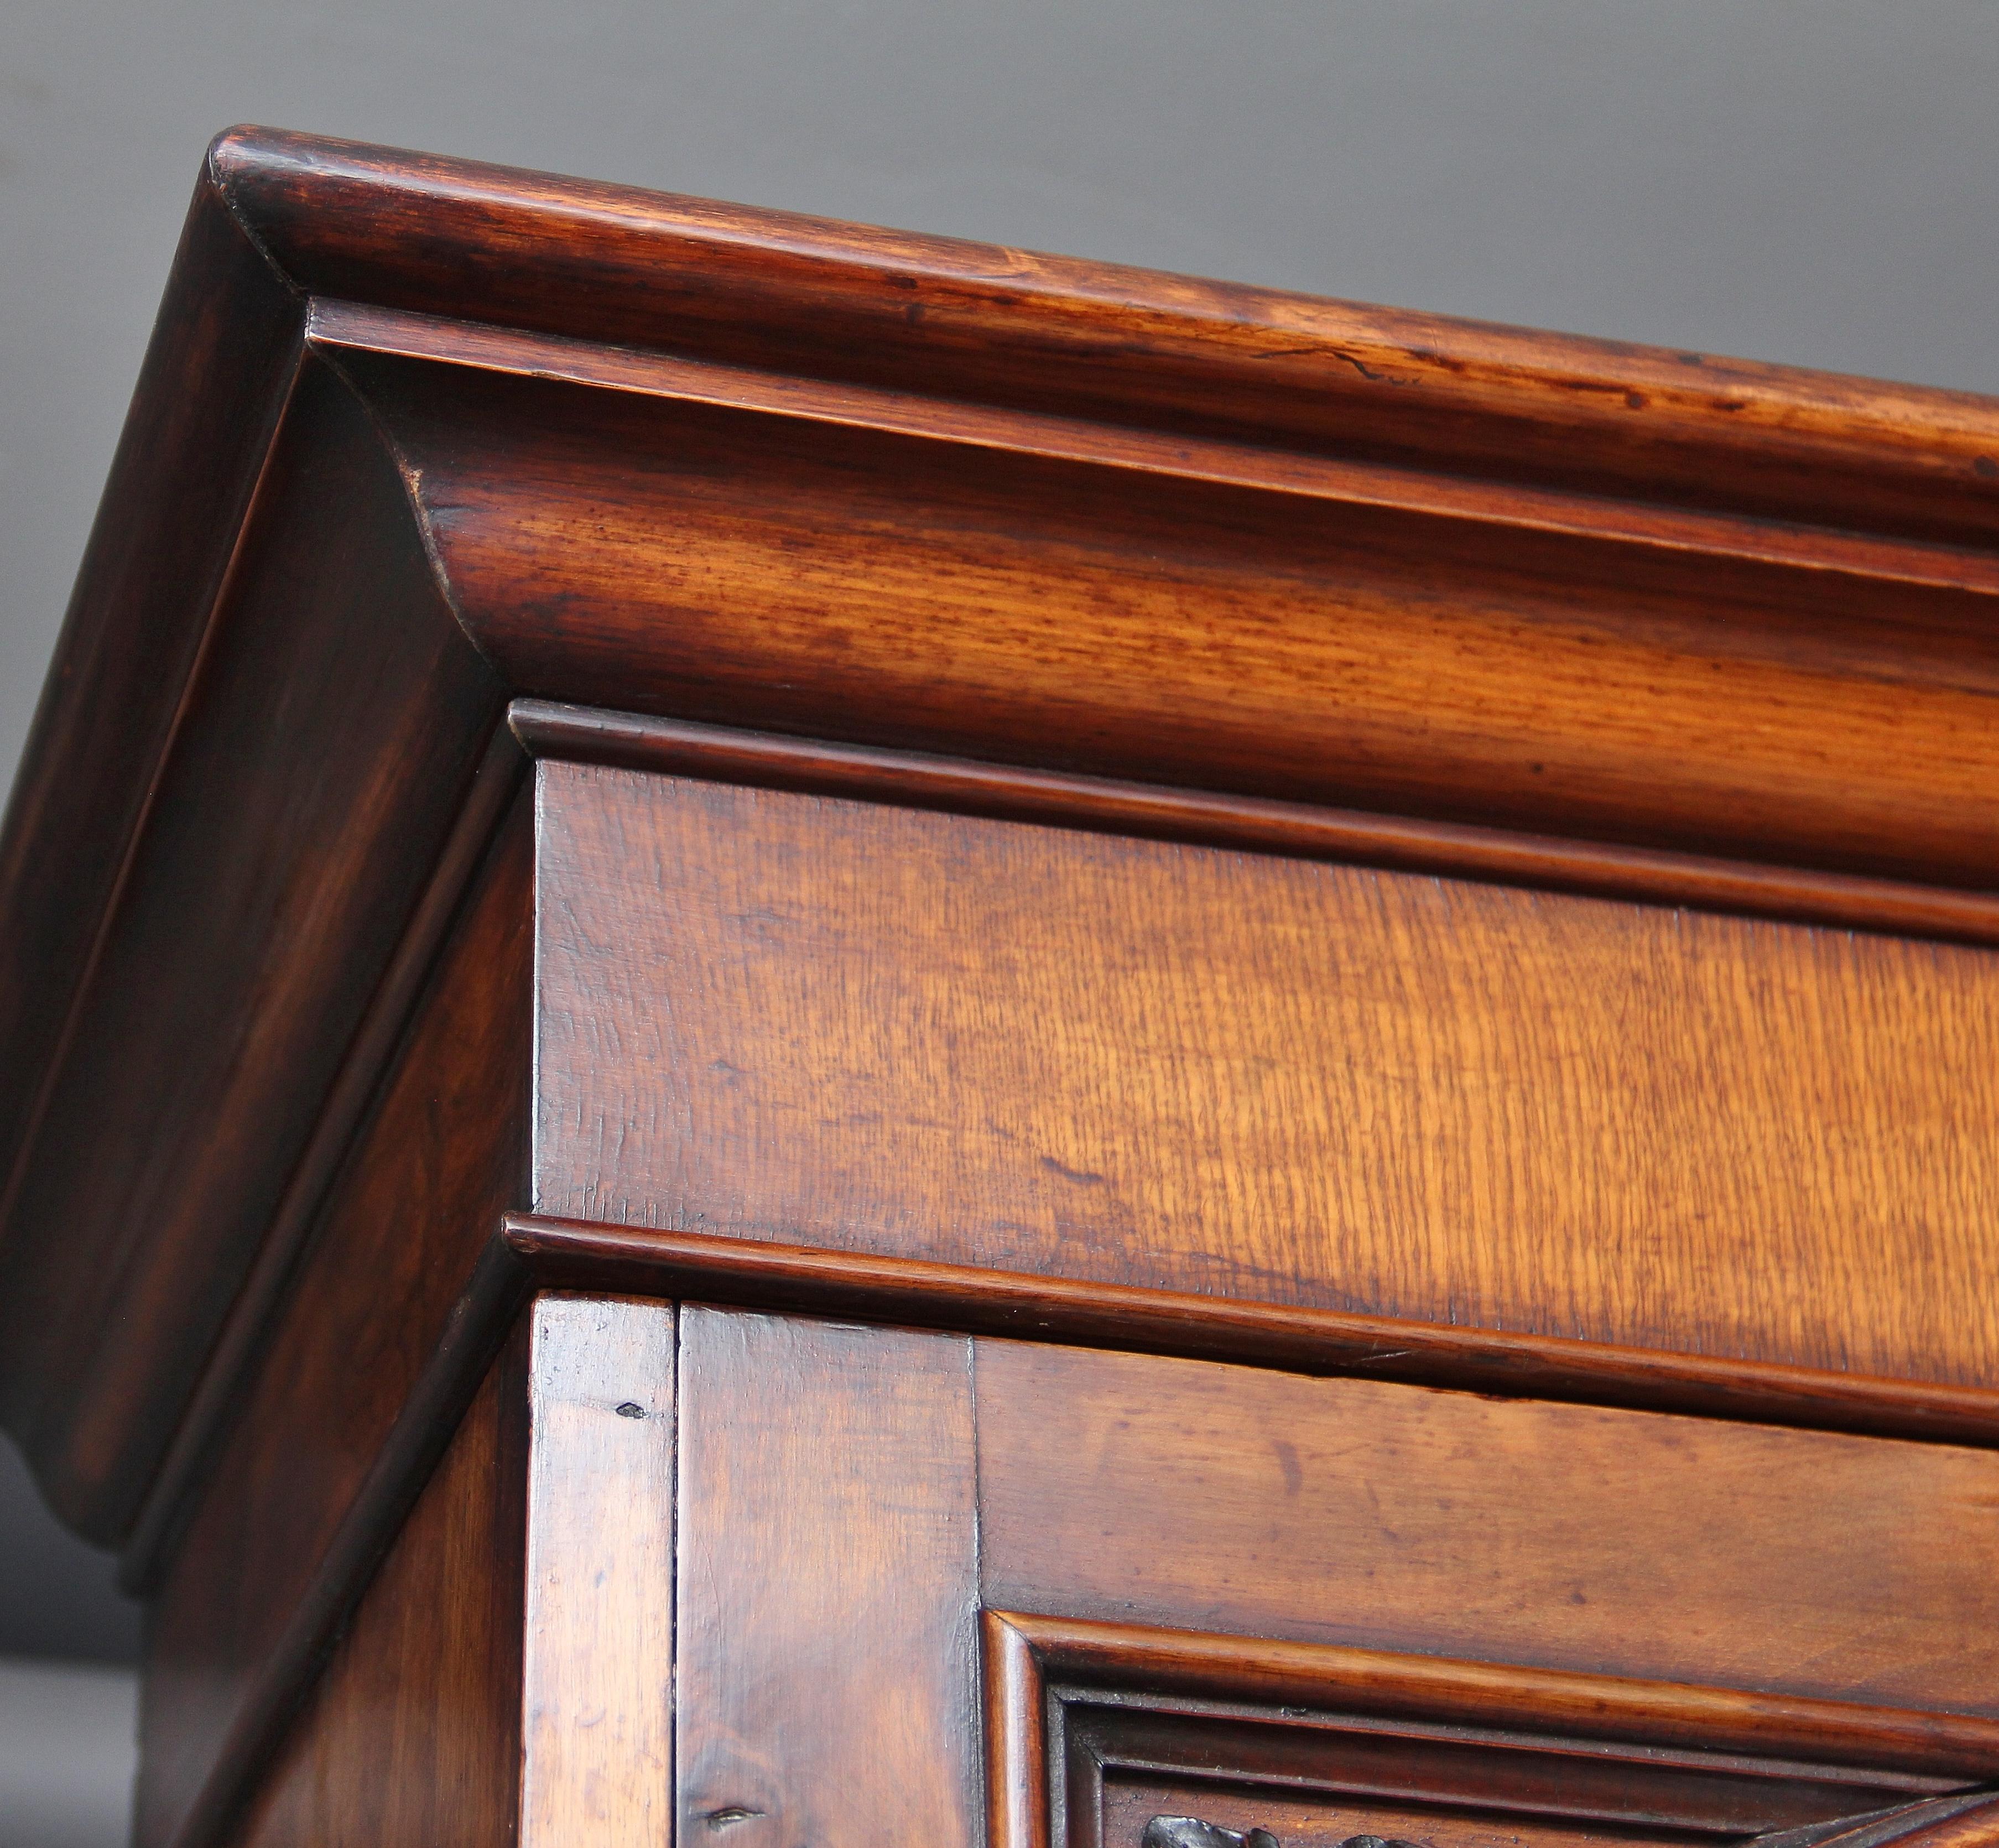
[[1106, 1736]]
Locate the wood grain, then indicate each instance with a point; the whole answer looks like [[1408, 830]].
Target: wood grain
[[412, 1738], [806, 574], [597, 1765], [217, 372], [1297, 830], [1902, 1752], [444, 1154], [181, 1107], [759, 1274], [1201, 1497], [940, 317], [829, 1023], [827, 1679], [210, 1409], [418, 437]]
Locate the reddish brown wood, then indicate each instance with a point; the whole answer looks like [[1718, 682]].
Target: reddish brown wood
[[255, 918], [953, 529], [912, 779], [826, 1679], [598, 1761], [418, 436], [1001, 601], [302, 1494], [1916, 1753], [214, 381], [494, 793], [935, 315], [1137, 1723], [922, 1035], [1189, 1495], [717, 1268], [413, 1736]]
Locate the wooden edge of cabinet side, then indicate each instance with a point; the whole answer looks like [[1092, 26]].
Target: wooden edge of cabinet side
[[216, 1394], [1298, 830], [597, 1767], [211, 391], [1026, 1653], [500, 1287], [917, 1292]]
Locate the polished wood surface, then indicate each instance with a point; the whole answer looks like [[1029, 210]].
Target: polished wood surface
[[918, 1292], [1297, 830], [412, 1738], [1296, 1000], [443, 1156], [180, 1109], [777, 291], [996, 1044], [1145, 1729], [420, 437], [214, 385], [1237, 1578], [826, 1684], [1201, 1497], [683, 548], [1903, 1754], [596, 1752]]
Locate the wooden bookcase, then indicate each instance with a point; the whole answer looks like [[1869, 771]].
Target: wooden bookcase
[[817, 1039]]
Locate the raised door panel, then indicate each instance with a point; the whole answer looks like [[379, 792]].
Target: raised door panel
[[1213, 1600], [1114, 1736], [1588, 1538]]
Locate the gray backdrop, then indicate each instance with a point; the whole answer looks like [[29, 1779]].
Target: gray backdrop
[[1800, 180]]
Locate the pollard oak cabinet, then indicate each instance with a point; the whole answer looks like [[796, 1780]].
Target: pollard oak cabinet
[[815, 1039]]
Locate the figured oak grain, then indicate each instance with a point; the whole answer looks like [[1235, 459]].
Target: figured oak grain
[[826, 1022], [1198, 1496], [807, 573]]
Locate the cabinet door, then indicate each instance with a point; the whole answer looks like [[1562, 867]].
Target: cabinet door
[[938, 1590]]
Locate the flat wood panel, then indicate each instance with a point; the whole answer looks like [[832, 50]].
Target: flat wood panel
[[1207, 1497], [828, 1666], [412, 1738], [442, 1157], [597, 1757], [995, 1044]]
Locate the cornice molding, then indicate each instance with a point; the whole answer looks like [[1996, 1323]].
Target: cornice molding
[[418, 438]]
